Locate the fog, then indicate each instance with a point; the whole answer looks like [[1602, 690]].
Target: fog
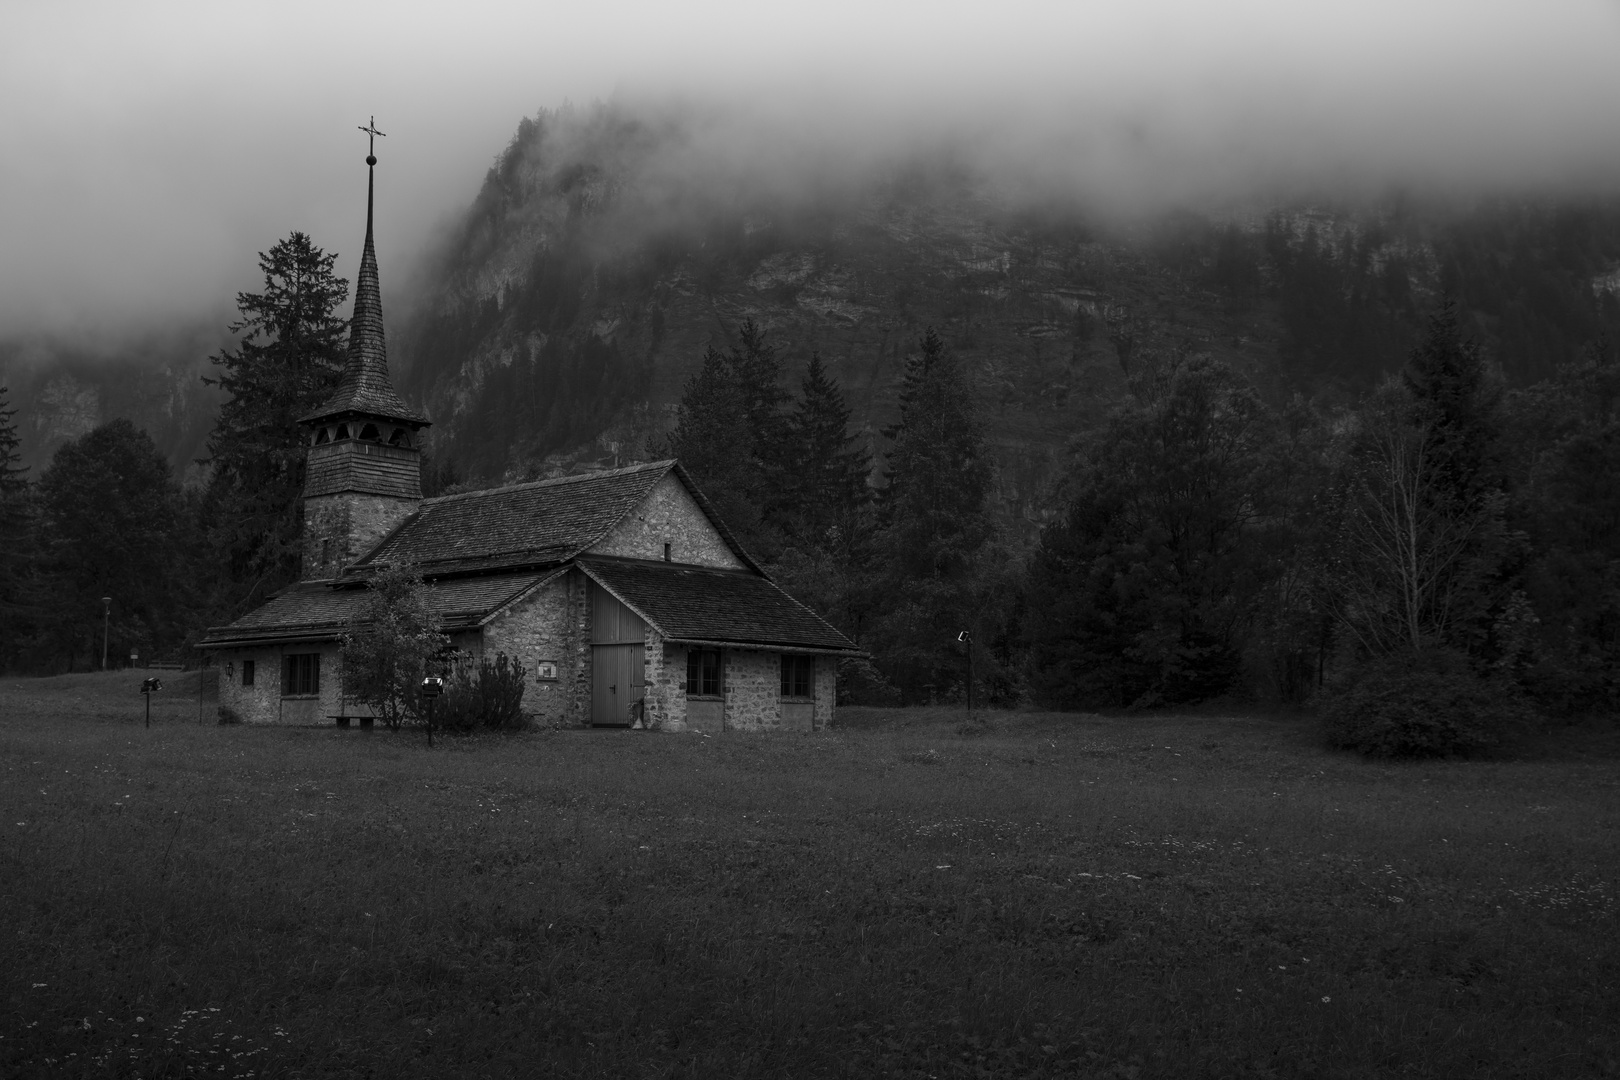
[[152, 150]]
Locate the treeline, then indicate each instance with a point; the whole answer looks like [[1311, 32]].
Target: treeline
[[1212, 545], [104, 553]]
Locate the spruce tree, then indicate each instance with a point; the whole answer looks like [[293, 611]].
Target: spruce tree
[[826, 469], [936, 524], [938, 472], [111, 525], [728, 433], [16, 538], [288, 362]]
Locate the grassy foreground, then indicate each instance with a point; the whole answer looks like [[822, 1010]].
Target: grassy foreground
[[1064, 896]]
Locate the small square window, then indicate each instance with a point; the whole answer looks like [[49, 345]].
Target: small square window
[[301, 675], [247, 673], [798, 676], [703, 673], [545, 669]]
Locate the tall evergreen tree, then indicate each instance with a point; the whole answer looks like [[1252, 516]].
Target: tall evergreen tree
[[826, 469], [288, 362], [16, 540], [938, 473], [112, 526], [936, 524], [1138, 594], [728, 432]]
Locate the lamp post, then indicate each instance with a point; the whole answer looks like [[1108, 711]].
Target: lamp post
[[432, 687], [106, 622], [966, 638]]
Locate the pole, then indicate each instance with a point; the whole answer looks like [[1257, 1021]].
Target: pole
[[148, 708], [966, 638], [430, 722], [106, 623]]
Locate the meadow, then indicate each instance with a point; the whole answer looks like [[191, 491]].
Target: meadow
[[1052, 896]]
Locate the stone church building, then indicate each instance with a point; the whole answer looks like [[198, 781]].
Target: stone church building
[[621, 592]]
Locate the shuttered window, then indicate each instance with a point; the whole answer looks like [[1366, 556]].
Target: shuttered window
[[247, 673], [301, 674]]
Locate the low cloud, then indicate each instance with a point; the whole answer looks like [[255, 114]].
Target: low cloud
[[152, 150]]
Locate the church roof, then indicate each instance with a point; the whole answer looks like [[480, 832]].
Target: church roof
[[315, 611], [533, 524], [698, 605], [366, 388]]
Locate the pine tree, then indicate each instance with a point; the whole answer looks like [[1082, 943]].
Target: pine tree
[[112, 526], [16, 539], [728, 432], [938, 472], [935, 523], [1457, 402], [288, 362], [829, 466]]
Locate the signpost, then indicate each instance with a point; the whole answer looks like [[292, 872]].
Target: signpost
[[148, 688]]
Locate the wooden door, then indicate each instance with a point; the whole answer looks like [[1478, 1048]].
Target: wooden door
[[618, 683]]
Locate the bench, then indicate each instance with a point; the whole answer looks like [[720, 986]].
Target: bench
[[343, 720]]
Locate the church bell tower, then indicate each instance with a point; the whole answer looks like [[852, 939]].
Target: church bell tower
[[364, 471]]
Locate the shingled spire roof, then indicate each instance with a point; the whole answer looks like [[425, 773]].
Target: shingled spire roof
[[366, 388]]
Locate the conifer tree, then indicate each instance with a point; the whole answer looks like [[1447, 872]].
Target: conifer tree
[[16, 538], [728, 432], [935, 523], [111, 525], [288, 362], [828, 466], [938, 472]]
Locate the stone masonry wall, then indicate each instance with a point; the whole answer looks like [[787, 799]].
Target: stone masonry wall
[[826, 691], [753, 690], [262, 702], [669, 516], [553, 623], [338, 529], [666, 684]]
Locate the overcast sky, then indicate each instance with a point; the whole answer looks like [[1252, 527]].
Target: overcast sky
[[149, 150]]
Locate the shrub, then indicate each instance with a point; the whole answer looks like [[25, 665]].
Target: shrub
[[228, 715], [1428, 704], [482, 693]]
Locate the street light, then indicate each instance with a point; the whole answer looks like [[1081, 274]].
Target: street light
[[106, 621], [966, 638], [432, 687]]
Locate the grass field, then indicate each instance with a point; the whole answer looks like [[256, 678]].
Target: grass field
[[1063, 896]]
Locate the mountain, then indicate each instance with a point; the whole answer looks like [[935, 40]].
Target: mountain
[[561, 321], [62, 389]]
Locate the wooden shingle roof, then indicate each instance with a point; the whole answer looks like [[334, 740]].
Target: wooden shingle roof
[[530, 525], [723, 607], [318, 611]]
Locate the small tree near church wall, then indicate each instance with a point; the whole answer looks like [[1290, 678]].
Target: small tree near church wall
[[389, 643]]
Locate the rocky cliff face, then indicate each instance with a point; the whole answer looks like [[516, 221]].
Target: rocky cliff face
[[566, 318]]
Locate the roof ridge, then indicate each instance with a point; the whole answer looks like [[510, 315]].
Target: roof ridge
[[555, 481]]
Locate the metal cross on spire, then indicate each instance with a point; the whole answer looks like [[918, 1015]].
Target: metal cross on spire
[[371, 144]]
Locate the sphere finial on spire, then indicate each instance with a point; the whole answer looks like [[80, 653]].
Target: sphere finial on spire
[[371, 144]]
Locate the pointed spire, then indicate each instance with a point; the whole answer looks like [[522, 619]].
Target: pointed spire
[[366, 387]]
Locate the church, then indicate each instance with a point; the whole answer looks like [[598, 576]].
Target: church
[[624, 596]]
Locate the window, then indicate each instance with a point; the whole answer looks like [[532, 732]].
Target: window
[[703, 673], [798, 676], [666, 553], [300, 674], [247, 673], [370, 433], [399, 438], [321, 436], [342, 432]]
